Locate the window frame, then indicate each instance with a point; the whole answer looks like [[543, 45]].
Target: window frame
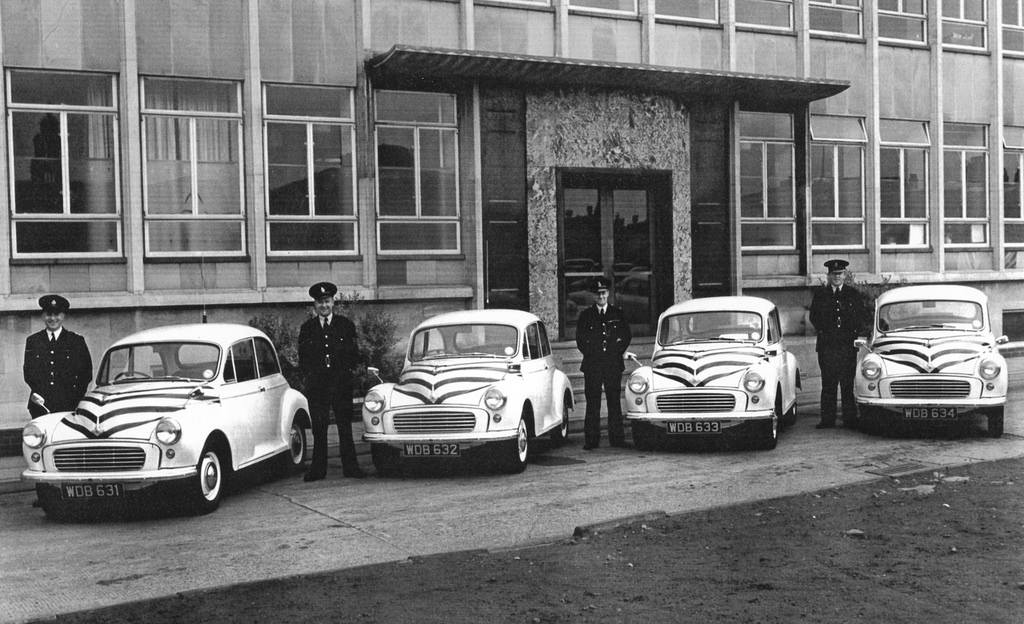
[[764, 142], [238, 218], [836, 7], [65, 216], [902, 146], [681, 19], [789, 5], [598, 10], [1016, 27], [310, 122], [963, 151], [902, 13], [835, 143], [1017, 152], [981, 24], [418, 218]]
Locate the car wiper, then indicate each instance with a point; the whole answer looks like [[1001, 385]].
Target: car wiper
[[688, 340], [479, 354], [932, 326], [174, 378]]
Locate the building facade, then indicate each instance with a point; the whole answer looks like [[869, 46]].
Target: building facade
[[171, 161]]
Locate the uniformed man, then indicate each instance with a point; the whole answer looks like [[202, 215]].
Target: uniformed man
[[837, 313], [57, 365], [328, 351], [602, 336]]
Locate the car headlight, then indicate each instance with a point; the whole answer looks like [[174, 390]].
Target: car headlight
[[33, 436], [637, 384], [494, 398], [870, 369], [168, 431], [989, 368], [373, 401], [753, 381]]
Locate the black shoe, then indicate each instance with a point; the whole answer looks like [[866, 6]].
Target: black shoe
[[356, 473], [825, 425], [314, 476]]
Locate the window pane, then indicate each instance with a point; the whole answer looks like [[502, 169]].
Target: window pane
[[38, 185], [916, 196], [396, 171], [977, 185], [332, 166], [951, 8], [957, 33], [437, 172], [266, 358], [834, 20], [191, 95], [1011, 14], [888, 5], [287, 183], [301, 101], [415, 106], [905, 28], [618, 5], [309, 236], [218, 169], [1011, 185], [898, 131], [763, 13], [66, 237], [913, 6], [953, 189], [1015, 233], [751, 181], [695, 9], [891, 204], [780, 180], [965, 233], [244, 361], [1013, 136], [91, 163], [767, 235], [194, 236], [766, 125], [822, 181], [1013, 40], [827, 127], [837, 234], [965, 135], [168, 173], [904, 234], [67, 88], [419, 236], [974, 10], [851, 181]]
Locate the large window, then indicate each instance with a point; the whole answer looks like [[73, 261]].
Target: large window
[[776, 14], [1013, 26], [64, 165], [965, 180], [963, 23], [617, 6], [767, 208], [842, 17], [193, 169], [837, 181], [1013, 166], [903, 177], [311, 189], [701, 10], [417, 172], [902, 20]]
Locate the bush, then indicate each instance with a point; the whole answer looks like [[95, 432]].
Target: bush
[[375, 332]]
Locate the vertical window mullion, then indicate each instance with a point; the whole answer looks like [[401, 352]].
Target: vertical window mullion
[[835, 181], [764, 179], [193, 165], [65, 167], [417, 163], [310, 171]]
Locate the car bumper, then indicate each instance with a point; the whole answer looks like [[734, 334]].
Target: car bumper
[[464, 440], [696, 423], [131, 480], [896, 407]]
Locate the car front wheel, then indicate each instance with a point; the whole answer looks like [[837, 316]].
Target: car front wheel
[[295, 457], [770, 432], [207, 487], [561, 433], [515, 452]]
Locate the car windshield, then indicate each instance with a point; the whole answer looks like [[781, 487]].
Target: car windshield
[[184, 361], [467, 340], [708, 326], [931, 314]]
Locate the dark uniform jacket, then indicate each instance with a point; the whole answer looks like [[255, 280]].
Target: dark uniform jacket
[[328, 355], [60, 374], [602, 340], [837, 320]]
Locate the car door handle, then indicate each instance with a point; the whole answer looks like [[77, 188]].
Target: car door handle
[[263, 389]]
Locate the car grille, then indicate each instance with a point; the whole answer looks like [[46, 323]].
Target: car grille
[[696, 402], [930, 389], [99, 458], [434, 422]]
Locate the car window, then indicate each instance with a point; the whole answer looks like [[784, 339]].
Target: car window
[[266, 358], [160, 360], [533, 340], [710, 326], [545, 346], [243, 361], [931, 313], [465, 340], [774, 329]]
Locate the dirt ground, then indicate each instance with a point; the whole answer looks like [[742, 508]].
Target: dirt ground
[[935, 547]]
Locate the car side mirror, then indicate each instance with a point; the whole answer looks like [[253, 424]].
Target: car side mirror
[[373, 370], [1002, 340], [860, 342]]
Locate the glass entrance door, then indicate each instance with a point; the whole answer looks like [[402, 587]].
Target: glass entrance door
[[608, 230]]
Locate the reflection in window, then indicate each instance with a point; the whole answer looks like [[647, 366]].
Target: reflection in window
[[417, 172], [965, 196], [193, 167], [767, 201], [310, 141], [903, 173], [902, 20], [63, 154]]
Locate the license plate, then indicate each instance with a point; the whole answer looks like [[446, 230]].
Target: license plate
[[91, 490], [929, 413], [695, 426], [435, 449]]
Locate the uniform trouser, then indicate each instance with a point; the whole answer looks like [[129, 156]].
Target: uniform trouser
[[322, 400], [838, 367], [593, 382]]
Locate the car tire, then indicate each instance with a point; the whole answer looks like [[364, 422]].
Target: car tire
[[561, 433], [207, 487], [995, 423], [645, 437], [515, 452], [385, 460], [294, 459], [770, 431], [790, 418]]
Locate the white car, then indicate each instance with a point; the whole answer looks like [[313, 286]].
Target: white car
[[477, 382], [719, 368], [932, 358], [182, 405]]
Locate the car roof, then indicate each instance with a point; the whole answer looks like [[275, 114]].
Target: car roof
[[501, 316], [932, 291], [715, 304], [223, 334]]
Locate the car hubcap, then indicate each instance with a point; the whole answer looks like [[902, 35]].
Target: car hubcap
[[210, 477], [298, 449], [522, 442]]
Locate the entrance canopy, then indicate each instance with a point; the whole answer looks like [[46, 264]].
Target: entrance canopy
[[405, 64]]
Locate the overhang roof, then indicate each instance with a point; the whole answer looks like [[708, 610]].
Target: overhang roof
[[404, 64]]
